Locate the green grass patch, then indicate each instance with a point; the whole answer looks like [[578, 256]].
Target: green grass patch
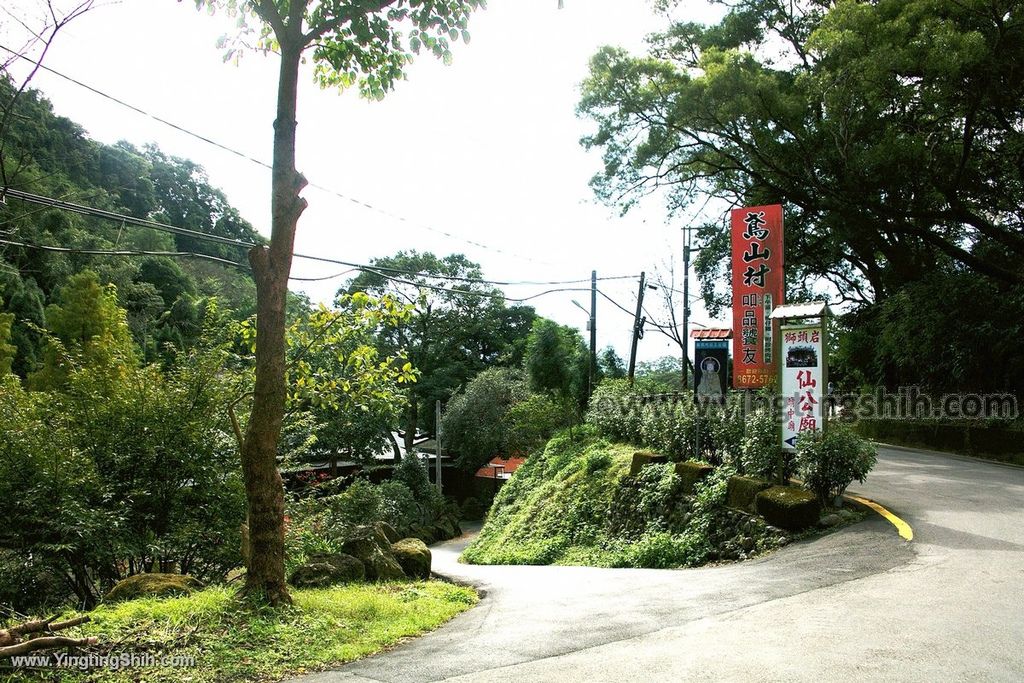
[[229, 640]]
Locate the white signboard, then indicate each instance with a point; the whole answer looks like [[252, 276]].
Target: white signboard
[[804, 377]]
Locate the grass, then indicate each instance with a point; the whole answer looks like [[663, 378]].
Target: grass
[[554, 510], [229, 640]]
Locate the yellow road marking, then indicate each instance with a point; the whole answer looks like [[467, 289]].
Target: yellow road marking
[[901, 526]]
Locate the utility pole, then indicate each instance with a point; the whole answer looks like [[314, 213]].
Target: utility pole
[[437, 443], [593, 329], [686, 308], [638, 325]]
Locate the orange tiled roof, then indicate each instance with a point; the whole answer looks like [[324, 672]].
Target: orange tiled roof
[[499, 466], [711, 333]]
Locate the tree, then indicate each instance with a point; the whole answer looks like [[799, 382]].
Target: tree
[[557, 363], [888, 129], [336, 372], [611, 364], [87, 328], [7, 350], [474, 423], [459, 325], [352, 42]]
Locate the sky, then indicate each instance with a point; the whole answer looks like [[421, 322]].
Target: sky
[[486, 149]]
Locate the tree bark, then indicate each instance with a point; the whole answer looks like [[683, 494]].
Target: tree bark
[[271, 267]]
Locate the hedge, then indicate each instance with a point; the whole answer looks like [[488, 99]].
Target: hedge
[[788, 507], [997, 443], [743, 490]]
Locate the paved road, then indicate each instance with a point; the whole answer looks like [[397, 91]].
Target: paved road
[[859, 603]]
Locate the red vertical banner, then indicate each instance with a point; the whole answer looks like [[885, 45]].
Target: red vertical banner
[[757, 288]]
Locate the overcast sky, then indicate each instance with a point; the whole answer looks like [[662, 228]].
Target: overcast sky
[[486, 149]]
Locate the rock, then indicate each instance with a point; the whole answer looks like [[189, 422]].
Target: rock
[[747, 543], [327, 570], [365, 541], [830, 520], [413, 556], [153, 586], [425, 534], [383, 566], [847, 515], [388, 531]]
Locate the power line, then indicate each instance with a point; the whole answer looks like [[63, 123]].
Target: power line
[[120, 252], [264, 164], [83, 209], [120, 217]]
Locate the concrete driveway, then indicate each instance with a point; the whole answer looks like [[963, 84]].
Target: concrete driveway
[[859, 603]]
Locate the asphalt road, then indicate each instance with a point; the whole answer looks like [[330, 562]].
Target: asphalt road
[[859, 603]]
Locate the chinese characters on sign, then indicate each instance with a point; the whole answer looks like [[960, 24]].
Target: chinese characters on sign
[[757, 287], [803, 382]]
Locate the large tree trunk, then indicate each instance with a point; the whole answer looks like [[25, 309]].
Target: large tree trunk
[[271, 267]]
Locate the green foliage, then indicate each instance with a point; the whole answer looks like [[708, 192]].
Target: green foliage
[[610, 365], [322, 523], [233, 640], [475, 424], [762, 447], [575, 503], [337, 372], [691, 474], [531, 422], [552, 358], [7, 350], [122, 468], [87, 328], [829, 462], [902, 108], [456, 330]]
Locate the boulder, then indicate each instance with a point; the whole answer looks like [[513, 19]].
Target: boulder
[[414, 557], [364, 541], [152, 586], [327, 570], [388, 531], [382, 566]]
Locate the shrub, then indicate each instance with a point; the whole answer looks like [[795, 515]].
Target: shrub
[[761, 447], [721, 434], [474, 423], [473, 509], [829, 462], [788, 507], [743, 490], [614, 411]]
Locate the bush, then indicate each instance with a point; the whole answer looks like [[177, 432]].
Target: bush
[[473, 510], [743, 490], [761, 447], [474, 423], [829, 462], [614, 411], [788, 507]]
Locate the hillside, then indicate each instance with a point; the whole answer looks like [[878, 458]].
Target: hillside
[[574, 503]]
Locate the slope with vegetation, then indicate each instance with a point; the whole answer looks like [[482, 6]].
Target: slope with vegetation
[[588, 497]]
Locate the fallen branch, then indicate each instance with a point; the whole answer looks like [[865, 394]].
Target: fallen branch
[[12, 643], [44, 643]]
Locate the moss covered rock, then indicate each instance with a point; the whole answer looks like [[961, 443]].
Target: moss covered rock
[[743, 490], [324, 570], [644, 458], [413, 556], [690, 473], [383, 566], [153, 586], [389, 531], [788, 507]]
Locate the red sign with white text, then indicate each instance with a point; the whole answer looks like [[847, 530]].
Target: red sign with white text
[[757, 288]]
